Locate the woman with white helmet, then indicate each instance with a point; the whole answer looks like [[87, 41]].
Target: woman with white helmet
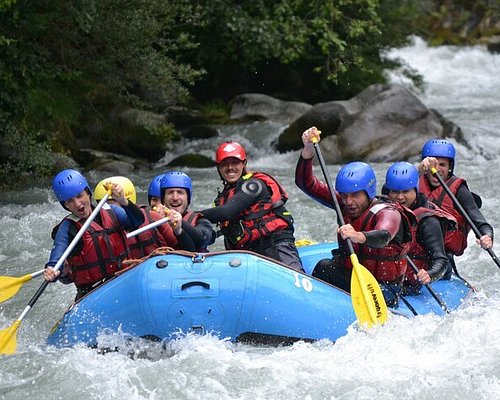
[[169, 234]]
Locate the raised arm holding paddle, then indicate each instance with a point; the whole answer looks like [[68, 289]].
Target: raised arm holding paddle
[[369, 228]]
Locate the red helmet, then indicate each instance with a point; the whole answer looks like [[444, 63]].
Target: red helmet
[[230, 149]]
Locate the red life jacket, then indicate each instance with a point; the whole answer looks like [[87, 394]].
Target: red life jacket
[[144, 243], [191, 217], [259, 220], [104, 249], [417, 252], [389, 263], [455, 240]]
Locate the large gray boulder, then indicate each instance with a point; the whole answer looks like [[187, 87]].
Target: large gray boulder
[[383, 123]]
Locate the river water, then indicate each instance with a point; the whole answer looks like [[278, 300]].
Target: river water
[[429, 357]]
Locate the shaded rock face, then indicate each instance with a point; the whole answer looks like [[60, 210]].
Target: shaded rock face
[[325, 116], [493, 44], [192, 160], [115, 164], [131, 132], [260, 106], [384, 123], [183, 117], [141, 134], [143, 138], [200, 132]]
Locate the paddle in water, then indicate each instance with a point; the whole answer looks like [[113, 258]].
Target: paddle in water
[[367, 298], [8, 340]]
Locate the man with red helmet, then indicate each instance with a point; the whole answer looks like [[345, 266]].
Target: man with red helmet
[[250, 209]]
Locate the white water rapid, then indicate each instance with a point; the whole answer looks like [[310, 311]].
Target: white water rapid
[[428, 357]]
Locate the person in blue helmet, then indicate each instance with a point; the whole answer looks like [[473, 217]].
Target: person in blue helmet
[[379, 229], [102, 248], [154, 193], [176, 192], [428, 250], [440, 154]]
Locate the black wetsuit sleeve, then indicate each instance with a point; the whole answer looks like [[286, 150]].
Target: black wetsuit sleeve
[[204, 226], [135, 216], [202, 235], [465, 198], [184, 241], [377, 239], [430, 237], [250, 192]]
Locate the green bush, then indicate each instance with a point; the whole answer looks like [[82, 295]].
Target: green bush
[[25, 157]]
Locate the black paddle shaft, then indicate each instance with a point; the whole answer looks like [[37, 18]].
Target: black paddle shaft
[[38, 293], [332, 192], [464, 213], [429, 288]]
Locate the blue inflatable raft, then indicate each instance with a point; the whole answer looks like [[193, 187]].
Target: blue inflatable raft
[[237, 295]]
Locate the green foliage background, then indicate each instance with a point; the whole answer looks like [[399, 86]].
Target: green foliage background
[[68, 64]]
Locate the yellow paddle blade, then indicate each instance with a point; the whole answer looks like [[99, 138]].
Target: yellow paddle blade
[[8, 340], [10, 285], [367, 299], [304, 242]]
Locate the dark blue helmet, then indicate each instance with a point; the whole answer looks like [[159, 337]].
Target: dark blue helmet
[[438, 148], [154, 187], [356, 176], [401, 176], [69, 183], [176, 179]]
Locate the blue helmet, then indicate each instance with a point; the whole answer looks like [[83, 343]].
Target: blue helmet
[[154, 187], [401, 176], [176, 179], [438, 148], [356, 176], [69, 183]]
